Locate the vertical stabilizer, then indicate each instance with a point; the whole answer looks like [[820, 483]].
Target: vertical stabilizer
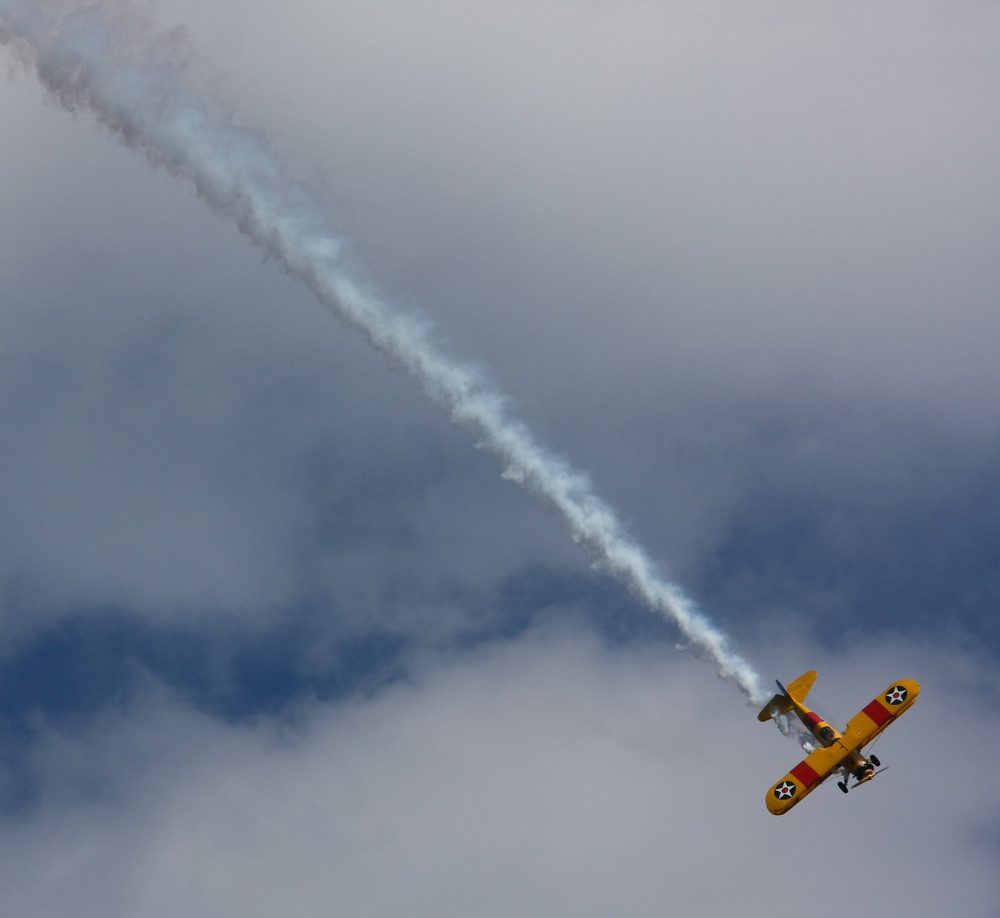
[[799, 688], [783, 702]]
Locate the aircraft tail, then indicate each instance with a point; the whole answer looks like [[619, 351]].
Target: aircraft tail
[[782, 703]]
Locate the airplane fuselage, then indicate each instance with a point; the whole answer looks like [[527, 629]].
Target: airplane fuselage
[[854, 763]]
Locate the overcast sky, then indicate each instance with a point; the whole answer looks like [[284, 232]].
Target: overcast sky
[[276, 638]]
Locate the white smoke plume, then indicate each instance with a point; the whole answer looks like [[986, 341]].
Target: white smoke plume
[[100, 57]]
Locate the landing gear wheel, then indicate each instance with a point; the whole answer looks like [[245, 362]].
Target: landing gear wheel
[[874, 761], [842, 786]]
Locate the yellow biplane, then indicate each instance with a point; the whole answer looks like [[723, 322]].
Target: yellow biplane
[[840, 752]]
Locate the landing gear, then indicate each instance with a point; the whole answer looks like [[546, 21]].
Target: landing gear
[[842, 785], [874, 761]]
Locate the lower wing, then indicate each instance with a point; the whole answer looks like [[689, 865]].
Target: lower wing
[[812, 771]]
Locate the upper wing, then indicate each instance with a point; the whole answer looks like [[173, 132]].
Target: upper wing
[[808, 774], [873, 718]]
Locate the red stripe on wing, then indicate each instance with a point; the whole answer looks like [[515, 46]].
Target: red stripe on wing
[[878, 712], [805, 773]]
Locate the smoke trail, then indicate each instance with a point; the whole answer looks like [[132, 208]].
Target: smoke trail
[[89, 59]]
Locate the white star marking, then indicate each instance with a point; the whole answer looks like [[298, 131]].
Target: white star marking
[[896, 695], [784, 790]]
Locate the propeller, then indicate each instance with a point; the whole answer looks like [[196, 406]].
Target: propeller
[[859, 783]]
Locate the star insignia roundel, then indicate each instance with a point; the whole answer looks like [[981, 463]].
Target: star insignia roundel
[[895, 695], [784, 790]]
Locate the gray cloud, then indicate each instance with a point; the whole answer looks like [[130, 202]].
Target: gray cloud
[[739, 266], [631, 225], [546, 777], [744, 198]]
